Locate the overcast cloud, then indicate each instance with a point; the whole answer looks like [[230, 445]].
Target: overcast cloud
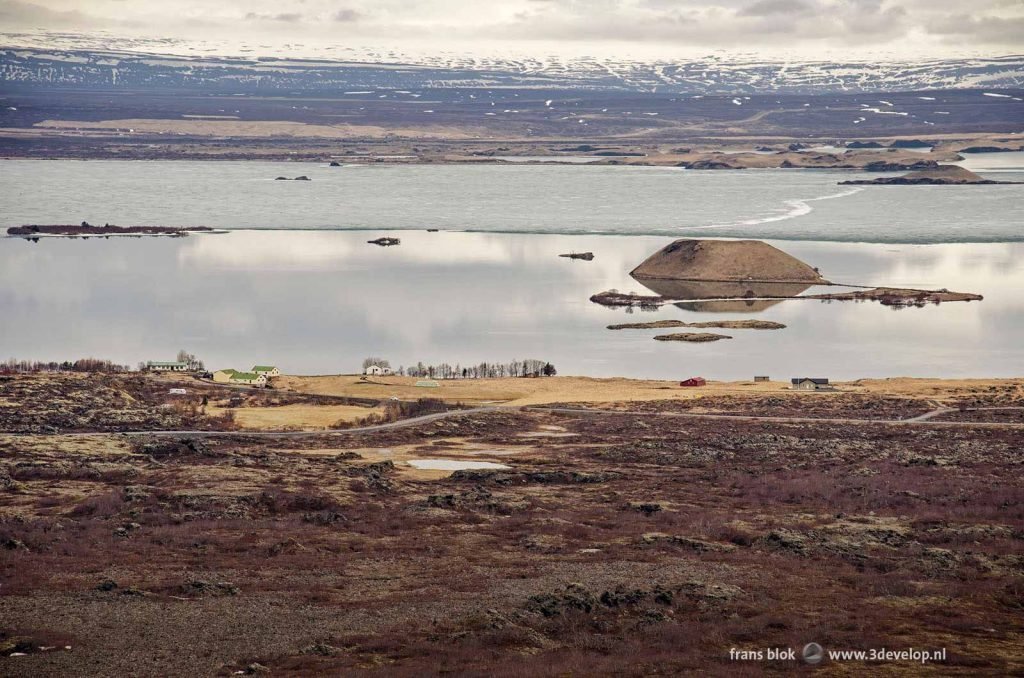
[[599, 27]]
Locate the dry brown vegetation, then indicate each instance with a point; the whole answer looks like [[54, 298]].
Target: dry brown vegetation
[[51, 403], [624, 544]]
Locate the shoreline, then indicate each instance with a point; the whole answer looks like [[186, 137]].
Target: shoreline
[[695, 232]]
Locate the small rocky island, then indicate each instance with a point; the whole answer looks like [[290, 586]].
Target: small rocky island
[[585, 256], [898, 296], [937, 176], [86, 230], [302, 178], [692, 337], [385, 242], [723, 324], [627, 299]]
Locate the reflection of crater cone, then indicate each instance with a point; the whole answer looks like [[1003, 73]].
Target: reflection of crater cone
[[725, 260], [728, 305], [699, 289]]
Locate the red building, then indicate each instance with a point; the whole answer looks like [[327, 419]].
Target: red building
[[694, 381]]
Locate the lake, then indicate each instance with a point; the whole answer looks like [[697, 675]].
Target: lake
[[319, 302], [291, 289], [777, 204]]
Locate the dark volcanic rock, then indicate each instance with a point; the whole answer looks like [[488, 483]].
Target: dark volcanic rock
[[585, 256], [890, 166], [989, 149], [910, 143], [707, 165], [943, 175]]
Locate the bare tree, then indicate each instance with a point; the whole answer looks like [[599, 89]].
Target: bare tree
[[515, 368], [194, 363], [379, 362]]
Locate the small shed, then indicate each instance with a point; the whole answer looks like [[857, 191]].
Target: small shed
[[377, 370], [810, 384], [224, 376], [694, 381], [427, 383], [761, 378]]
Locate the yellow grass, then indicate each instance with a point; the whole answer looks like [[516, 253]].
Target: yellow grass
[[306, 417]]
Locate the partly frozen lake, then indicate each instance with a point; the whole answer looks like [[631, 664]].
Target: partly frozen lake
[[515, 198], [292, 289]]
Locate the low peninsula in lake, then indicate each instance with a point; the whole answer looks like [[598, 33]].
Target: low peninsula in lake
[[85, 230], [937, 176]]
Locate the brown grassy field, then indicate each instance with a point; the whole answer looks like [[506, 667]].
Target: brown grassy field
[[620, 544], [299, 416], [592, 390]]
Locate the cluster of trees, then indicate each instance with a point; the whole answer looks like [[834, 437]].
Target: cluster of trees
[[515, 368], [379, 362], [194, 363], [80, 365]]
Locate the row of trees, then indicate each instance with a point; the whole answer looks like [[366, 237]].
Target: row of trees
[[89, 365], [515, 368], [81, 365]]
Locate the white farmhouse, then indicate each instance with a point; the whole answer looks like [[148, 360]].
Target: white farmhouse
[[174, 366]]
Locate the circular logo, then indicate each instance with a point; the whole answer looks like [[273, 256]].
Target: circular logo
[[813, 653]]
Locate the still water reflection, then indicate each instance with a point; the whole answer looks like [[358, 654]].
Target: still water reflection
[[319, 302]]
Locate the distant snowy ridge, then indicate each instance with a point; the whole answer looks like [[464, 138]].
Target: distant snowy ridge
[[362, 72]]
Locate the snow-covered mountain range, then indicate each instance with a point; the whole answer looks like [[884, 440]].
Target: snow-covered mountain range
[[66, 60]]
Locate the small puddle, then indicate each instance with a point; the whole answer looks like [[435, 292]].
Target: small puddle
[[453, 464]]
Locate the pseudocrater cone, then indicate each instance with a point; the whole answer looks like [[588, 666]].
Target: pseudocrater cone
[[726, 261]]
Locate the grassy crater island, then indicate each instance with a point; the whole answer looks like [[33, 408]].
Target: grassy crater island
[[724, 324], [726, 261], [744, 270], [86, 229]]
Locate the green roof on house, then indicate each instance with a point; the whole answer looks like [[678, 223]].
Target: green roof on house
[[263, 368], [245, 376], [228, 370]]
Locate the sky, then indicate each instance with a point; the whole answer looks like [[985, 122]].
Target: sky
[[600, 28]]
